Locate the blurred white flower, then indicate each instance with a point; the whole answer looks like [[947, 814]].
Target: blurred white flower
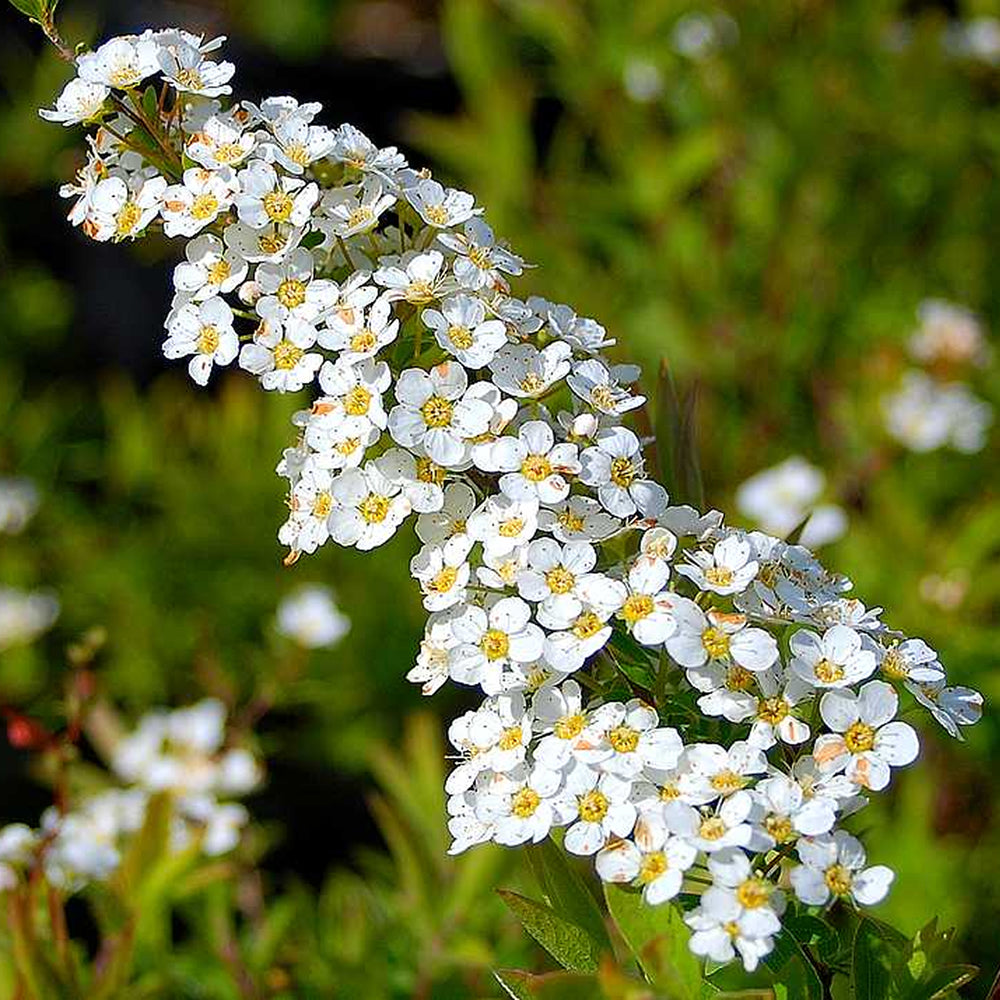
[[18, 503], [310, 617], [25, 615], [924, 415], [948, 333]]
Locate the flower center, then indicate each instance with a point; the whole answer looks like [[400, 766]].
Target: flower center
[[428, 472], [780, 828], [603, 398], [772, 710], [218, 272], [732, 928], [535, 468], [560, 580], [511, 528], [357, 401], [719, 576], [347, 446], [322, 505], [569, 726], [189, 77], [443, 580], [573, 523], [437, 412], [495, 644], [511, 738], [593, 806], [624, 739], [637, 607], [208, 339], [738, 678], [204, 207], [893, 665], [360, 216], [277, 205], [291, 293], [422, 291], [127, 218], [298, 154], [727, 781], [436, 215], [828, 672], [524, 802], [272, 244], [124, 76], [532, 383], [374, 508], [838, 880], [860, 738], [481, 257], [712, 828], [716, 642], [287, 355], [753, 893], [364, 341], [652, 866], [623, 472], [587, 625], [461, 337], [228, 152]]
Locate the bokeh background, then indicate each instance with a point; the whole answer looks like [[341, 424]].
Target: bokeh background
[[761, 194]]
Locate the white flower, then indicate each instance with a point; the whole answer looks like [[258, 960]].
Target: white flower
[[357, 208], [266, 243], [647, 605], [289, 289], [280, 355], [577, 518], [414, 277], [209, 269], [451, 518], [739, 913], [220, 142], [353, 147], [773, 717], [461, 328], [368, 508], [712, 771], [187, 70], [712, 831], [578, 638], [79, 101], [718, 636], [310, 503], [355, 333], [865, 742], [523, 371], [438, 410], [295, 142], [553, 576], [657, 867], [615, 467], [17, 844], [501, 570], [431, 668], [951, 707], [490, 639], [598, 807], [627, 740], [480, 260], [727, 569], [949, 335], [121, 208], [520, 807], [784, 813], [502, 524], [494, 737], [204, 330], [579, 332], [443, 572], [833, 867], [265, 198], [560, 716], [780, 498], [464, 825], [533, 465], [310, 617], [25, 615], [924, 415], [836, 660], [600, 386], [910, 660], [440, 207], [121, 63]]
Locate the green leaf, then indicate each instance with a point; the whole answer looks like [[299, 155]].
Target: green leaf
[[816, 932], [943, 982], [35, 9], [549, 986], [794, 970], [568, 943], [871, 964], [150, 103], [565, 890], [676, 442], [658, 937]]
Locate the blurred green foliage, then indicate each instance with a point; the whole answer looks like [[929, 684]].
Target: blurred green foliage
[[766, 215]]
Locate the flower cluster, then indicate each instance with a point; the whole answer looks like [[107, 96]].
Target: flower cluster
[[178, 754], [933, 408], [608, 630]]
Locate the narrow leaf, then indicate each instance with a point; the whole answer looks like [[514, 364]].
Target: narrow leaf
[[943, 982], [568, 943], [871, 966], [548, 986]]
